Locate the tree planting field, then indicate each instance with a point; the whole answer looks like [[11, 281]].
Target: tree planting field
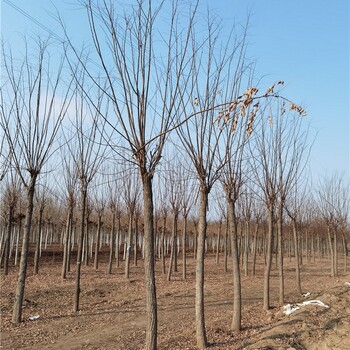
[[112, 314]]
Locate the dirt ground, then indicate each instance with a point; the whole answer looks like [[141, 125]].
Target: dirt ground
[[112, 312]]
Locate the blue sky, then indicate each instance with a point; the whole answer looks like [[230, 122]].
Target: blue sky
[[304, 43]]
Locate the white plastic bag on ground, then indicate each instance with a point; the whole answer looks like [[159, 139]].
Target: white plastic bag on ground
[[289, 309]]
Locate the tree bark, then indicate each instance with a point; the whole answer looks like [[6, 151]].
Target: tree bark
[[173, 246], [8, 239], [199, 301], [97, 243], [218, 245], [19, 295], [268, 257], [255, 248], [335, 249], [297, 260], [246, 247], [66, 245], [80, 251], [128, 246], [226, 246], [345, 248], [38, 242], [184, 235], [280, 253], [136, 239], [331, 249], [117, 248], [237, 295], [111, 246], [151, 300], [163, 244]]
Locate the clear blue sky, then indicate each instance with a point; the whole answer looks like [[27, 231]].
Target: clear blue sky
[[303, 42]]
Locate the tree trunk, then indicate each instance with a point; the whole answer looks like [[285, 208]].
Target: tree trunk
[[184, 234], [297, 260], [280, 253], [8, 239], [80, 250], [345, 249], [163, 244], [199, 301], [268, 257], [237, 295], [117, 248], [97, 243], [335, 249], [70, 242], [128, 246], [87, 239], [255, 248], [66, 246], [195, 241], [173, 246], [38, 242], [136, 240], [19, 296], [151, 299], [111, 244], [226, 246], [246, 247], [19, 231], [331, 250], [218, 245]]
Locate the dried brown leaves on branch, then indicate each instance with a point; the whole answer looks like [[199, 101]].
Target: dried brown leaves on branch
[[239, 107]]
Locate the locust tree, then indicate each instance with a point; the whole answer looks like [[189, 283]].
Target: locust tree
[[131, 196], [232, 179], [189, 197], [11, 193], [200, 136], [175, 198], [277, 163], [34, 100], [41, 198], [114, 205], [87, 148], [144, 73], [70, 189], [333, 205]]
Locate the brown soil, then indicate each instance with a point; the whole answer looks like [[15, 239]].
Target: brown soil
[[112, 312]]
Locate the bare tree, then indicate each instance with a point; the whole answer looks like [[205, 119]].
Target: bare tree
[[115, 207], [70, 180], [131, 197], [265, 170], [175, 199], [291, 148], [41, 197], [10, 199], [232, 180], [189, 198], [143, 89], [222, 214], [100, 203], [200, 137], [294, 207], [163, 203], [278, 165], [235, 137], [257, 218], [333, 205], [87, 150], [37, 100]]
